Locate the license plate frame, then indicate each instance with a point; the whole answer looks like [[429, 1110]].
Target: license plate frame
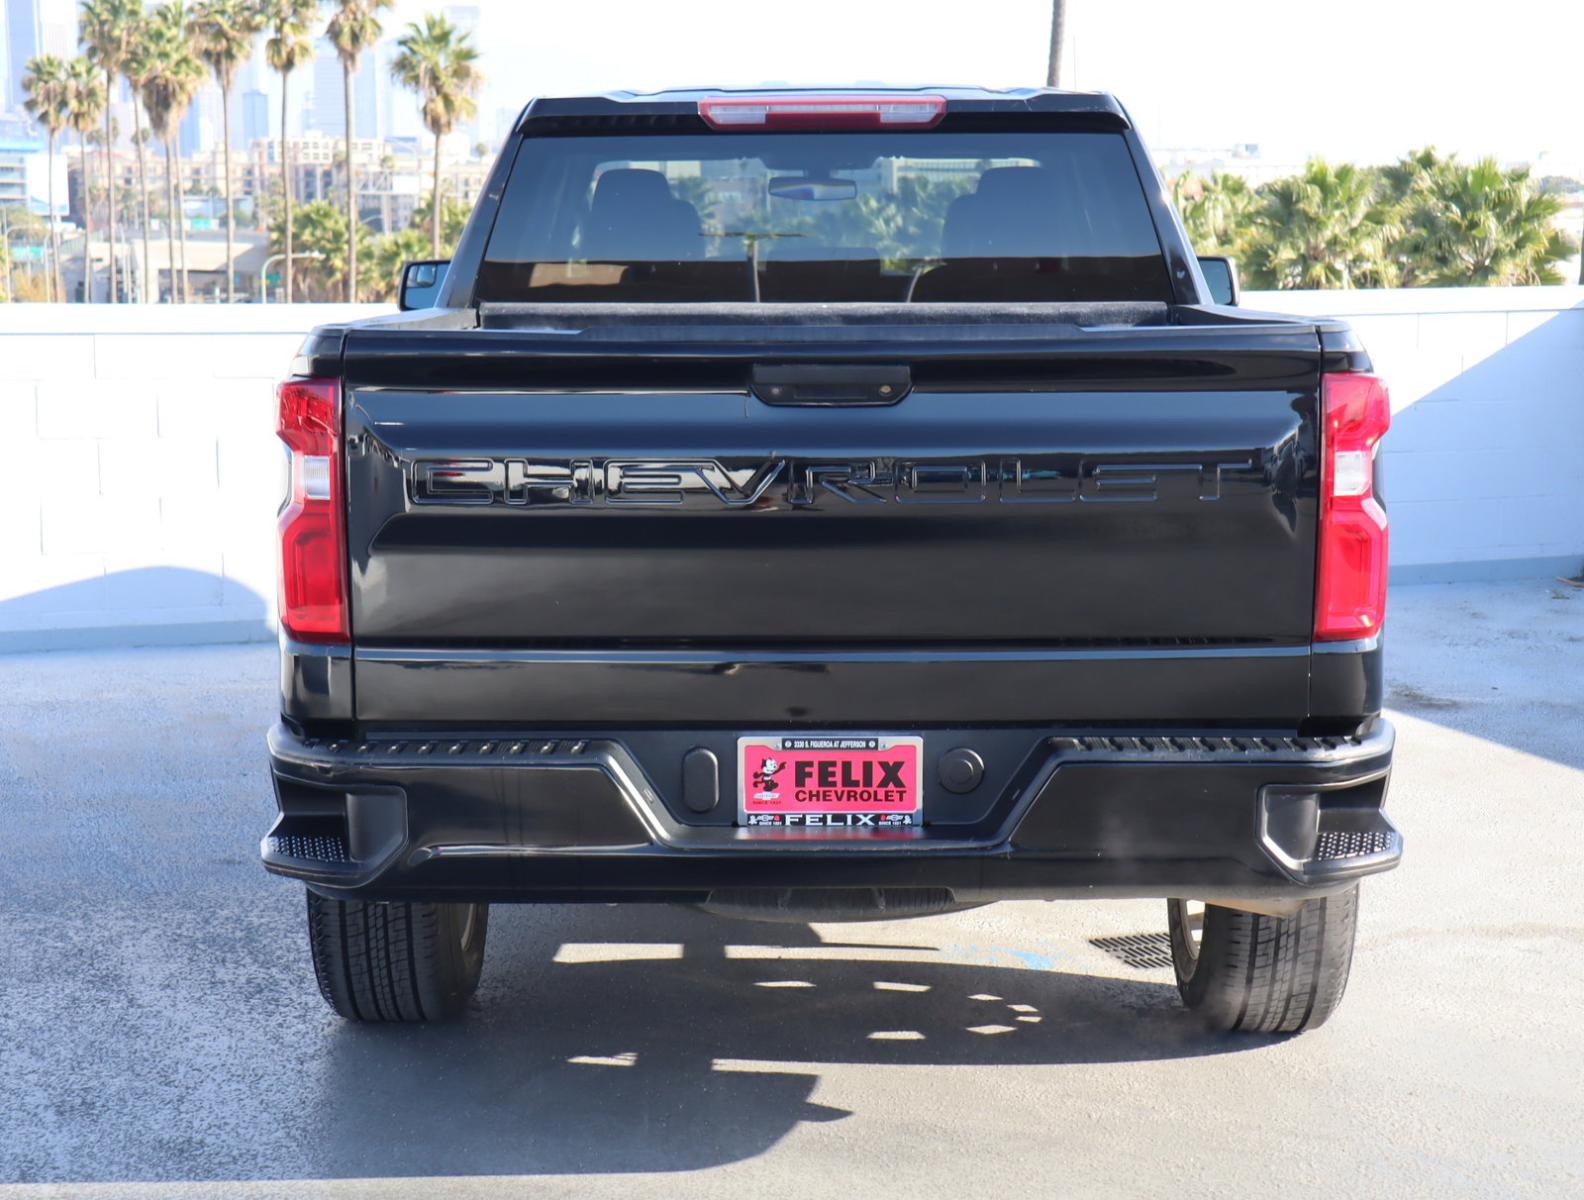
[[836, 793]]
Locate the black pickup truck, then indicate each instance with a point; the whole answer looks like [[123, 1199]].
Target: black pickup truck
[[817, 506]]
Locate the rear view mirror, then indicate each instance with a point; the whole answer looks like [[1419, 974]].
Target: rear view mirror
[[801, 187], [420, 284], [1221, 277]]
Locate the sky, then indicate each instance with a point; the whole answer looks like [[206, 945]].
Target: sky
[[1350, 79]]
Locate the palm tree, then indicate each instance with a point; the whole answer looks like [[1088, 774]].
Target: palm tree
[[353, 29], [173, 75], [1058, 36], [389, 255], [186, 72], [453, 217], [439, 63], [222, 33], [136, 72], [1410, 175], [44, 92], [321, 233], [1216, 212], [1322, 229], [1406, 189], [288, 48], [1479, 224], [85, 103], [109, 29], [183, 74]]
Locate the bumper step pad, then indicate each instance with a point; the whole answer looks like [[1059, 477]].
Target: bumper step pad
[[328, 848], [1334, 844]]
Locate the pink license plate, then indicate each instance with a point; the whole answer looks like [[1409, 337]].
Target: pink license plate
[[842, 781]]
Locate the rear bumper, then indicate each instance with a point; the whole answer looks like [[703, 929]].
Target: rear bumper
[[520, 818]]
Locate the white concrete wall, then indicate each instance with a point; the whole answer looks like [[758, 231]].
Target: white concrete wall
[[142, 470], [143, 473], [1484, 466]]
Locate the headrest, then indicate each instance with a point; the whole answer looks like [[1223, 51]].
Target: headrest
[[1015, 184], [631, 187]]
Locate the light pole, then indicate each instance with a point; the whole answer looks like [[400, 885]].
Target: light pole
[[264, 270], [1058, 32]]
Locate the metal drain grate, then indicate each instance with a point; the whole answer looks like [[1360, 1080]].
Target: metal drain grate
[[316, 849], [1334, 844], [1141, 951]]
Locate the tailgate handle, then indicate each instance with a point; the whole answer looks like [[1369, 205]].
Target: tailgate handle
[[830, 385]]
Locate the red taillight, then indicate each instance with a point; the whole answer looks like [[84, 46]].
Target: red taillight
[[1350, 582], [874, 111], [313, 576]]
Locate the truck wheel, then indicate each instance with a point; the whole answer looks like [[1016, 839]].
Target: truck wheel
[[396, 961], [1256, 974]]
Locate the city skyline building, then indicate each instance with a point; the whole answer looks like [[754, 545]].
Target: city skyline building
[[200, 127], [253, 119], [250, 76], [326, 110], [23, 29], [58, 28], [373, 84]]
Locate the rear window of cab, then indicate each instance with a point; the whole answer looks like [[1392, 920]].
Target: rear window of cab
[[874, 216]]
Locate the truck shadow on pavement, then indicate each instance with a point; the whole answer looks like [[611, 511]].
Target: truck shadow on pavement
[[668, 1040]]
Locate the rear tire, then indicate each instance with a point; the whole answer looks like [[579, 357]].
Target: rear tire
[[398, 961], [1240, 971]]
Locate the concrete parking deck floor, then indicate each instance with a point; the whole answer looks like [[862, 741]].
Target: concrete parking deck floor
[[160, 1035]]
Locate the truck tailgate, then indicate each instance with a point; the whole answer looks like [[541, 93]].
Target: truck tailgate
[[1059, 527]]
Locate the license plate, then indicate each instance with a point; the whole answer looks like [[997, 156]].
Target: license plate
[[841, 781]]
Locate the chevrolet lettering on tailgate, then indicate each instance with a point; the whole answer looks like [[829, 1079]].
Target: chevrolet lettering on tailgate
[[1045, 479]]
